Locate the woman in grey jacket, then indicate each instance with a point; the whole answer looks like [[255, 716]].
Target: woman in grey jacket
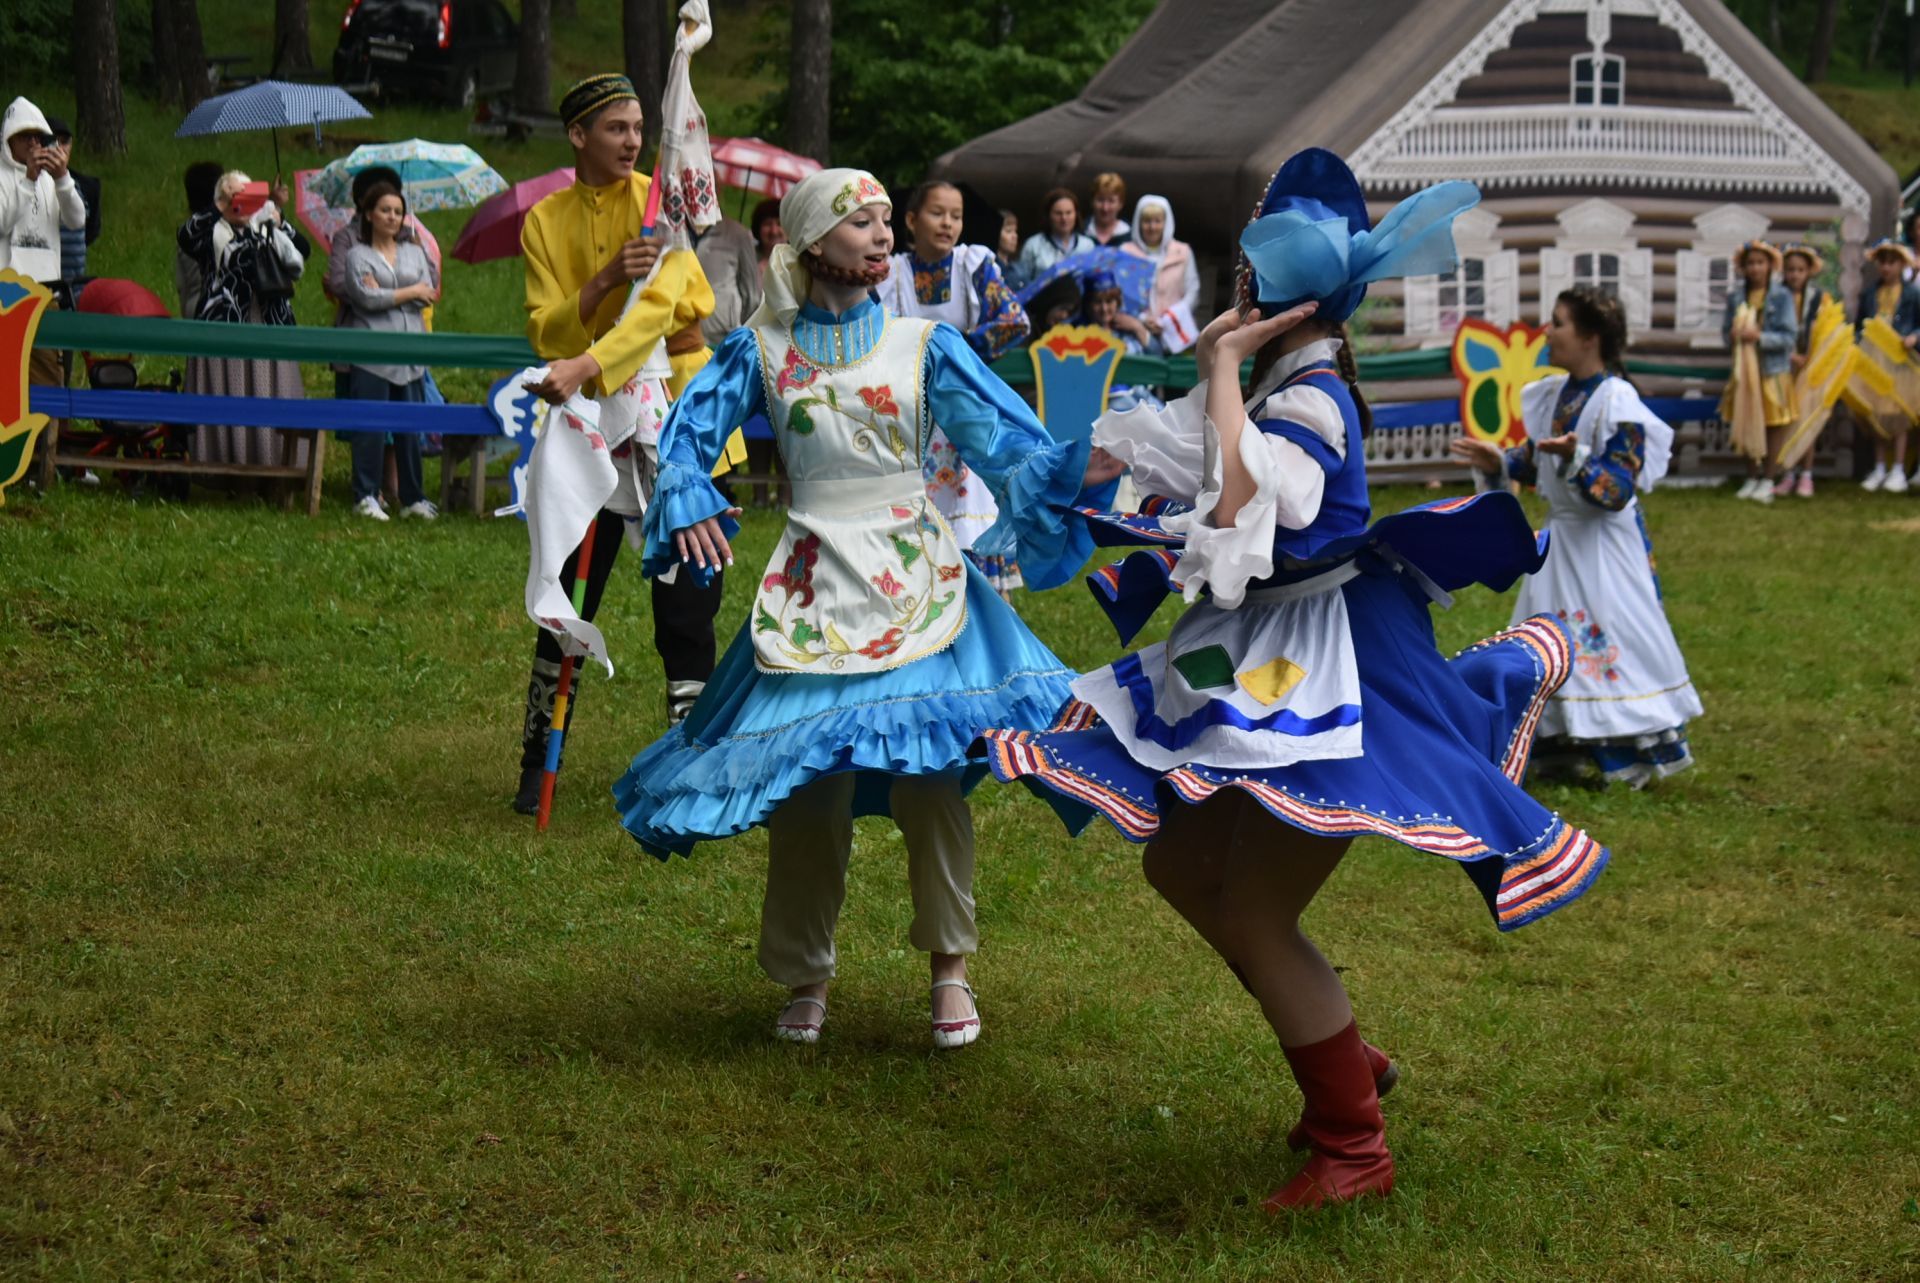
[[389, 283]]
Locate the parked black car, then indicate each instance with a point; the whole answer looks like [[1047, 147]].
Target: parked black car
[[456, 50]]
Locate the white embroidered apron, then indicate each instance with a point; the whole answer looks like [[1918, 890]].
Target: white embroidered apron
[[867, 576]]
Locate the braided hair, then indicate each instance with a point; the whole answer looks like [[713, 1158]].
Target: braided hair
[[1600, 314], [1265, 359]]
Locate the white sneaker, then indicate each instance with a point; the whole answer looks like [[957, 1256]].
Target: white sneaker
[[370, 507], [422, 509], [1746, 489], [1896, 482], [1763, 493], [1873, 479]]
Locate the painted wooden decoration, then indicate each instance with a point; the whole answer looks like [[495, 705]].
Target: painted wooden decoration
[[22, 303], [1492, 365]]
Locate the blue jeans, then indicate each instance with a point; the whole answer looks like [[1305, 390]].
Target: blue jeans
[[370, 448]]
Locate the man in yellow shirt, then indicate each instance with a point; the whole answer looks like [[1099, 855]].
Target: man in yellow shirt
[[583, 251]]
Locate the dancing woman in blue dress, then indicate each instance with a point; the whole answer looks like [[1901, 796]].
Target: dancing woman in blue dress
[[1300, 701]]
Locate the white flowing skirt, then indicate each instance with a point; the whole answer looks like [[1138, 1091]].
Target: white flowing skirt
[[1628, 676]]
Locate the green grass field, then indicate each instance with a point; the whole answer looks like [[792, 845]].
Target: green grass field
[[287, 992]]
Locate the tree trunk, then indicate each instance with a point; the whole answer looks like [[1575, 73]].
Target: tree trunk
[[532, 78], [1875, 33], [292, 45], [644, 31], [1820, 55], [179, 53], [1773, 25], [102, 117], [808, 94]]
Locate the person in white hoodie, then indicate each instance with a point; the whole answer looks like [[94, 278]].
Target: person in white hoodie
[[37, 195], [37, 199]]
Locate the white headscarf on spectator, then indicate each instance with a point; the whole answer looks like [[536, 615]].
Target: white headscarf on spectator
[[1166, 235], [811, 208]]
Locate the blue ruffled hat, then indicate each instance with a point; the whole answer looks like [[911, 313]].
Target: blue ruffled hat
[[1311, 238]]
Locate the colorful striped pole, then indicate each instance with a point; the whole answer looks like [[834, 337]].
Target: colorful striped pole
[[562, 698]]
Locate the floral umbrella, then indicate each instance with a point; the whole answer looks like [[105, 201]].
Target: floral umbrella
[[435, 175], [321, 219]]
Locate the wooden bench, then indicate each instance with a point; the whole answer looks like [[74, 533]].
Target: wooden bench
[[294, 480]]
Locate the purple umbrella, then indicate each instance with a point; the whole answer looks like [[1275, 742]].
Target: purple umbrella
[[494, 230]]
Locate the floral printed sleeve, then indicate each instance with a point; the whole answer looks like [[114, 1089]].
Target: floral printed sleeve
[[1003, 322], [1522, 465], [1606, 479]]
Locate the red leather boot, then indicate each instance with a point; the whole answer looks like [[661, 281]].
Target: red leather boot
[[1342, 1125], [1385, 1075]]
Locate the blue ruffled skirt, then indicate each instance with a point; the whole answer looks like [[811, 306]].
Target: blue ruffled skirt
[[755, 738], [1446, 741]]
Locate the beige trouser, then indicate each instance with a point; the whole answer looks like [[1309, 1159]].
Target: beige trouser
[[808, 841]]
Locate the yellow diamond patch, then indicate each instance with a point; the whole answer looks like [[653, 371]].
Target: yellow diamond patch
[[1270, 682]]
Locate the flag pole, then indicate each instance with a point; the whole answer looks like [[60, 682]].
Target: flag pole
[[562, 697]]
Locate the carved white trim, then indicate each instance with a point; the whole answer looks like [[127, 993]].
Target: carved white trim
[[1717, 233], [1475, 235], [1597, 226], [1756, 146]]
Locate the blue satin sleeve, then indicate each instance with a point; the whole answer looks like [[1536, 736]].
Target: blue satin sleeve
[[1035, 478], [725, 394]]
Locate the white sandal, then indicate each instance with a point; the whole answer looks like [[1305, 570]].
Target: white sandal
[[956, 1033], [799, 1030]]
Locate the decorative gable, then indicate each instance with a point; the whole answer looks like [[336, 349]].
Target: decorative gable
[[1689, 116]]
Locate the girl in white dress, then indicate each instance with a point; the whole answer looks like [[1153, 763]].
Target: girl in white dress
[[938, 279], [1593, 447]]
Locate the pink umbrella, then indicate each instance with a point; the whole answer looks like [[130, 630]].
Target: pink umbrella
[[320, 219], [494, 230], [755, 165]]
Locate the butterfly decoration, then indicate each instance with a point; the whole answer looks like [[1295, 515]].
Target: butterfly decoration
[[1492, 365]]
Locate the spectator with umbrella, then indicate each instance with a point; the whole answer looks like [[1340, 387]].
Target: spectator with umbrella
[[766, 228], [252, 257], [386, 283]]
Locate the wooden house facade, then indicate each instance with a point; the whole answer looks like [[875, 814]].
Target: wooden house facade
[[1628, 143]]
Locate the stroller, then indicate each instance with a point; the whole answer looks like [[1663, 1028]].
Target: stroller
[[111, 439]]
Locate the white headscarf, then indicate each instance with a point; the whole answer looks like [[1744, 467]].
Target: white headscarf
[[1166, 235], [811, 208]]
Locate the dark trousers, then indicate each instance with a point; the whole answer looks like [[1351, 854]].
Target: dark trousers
[[370, 448], [683, 615]]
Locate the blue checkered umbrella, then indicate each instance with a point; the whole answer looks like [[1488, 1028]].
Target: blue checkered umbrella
[[271, 104]]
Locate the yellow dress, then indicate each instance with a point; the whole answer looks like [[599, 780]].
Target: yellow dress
[[569, 236]]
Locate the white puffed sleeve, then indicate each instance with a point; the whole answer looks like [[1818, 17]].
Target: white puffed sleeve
[[1289, 482], [1163, 446]]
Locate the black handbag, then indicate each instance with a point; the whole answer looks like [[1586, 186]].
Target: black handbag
[[269, 275]]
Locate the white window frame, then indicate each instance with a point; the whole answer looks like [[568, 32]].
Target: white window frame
[[1599, 63], [1718, 232], [1476, 236], [1598, 226]]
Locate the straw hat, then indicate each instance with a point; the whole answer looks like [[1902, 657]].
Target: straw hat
[[1887, 245], [1757, 247], [1815, 264]]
